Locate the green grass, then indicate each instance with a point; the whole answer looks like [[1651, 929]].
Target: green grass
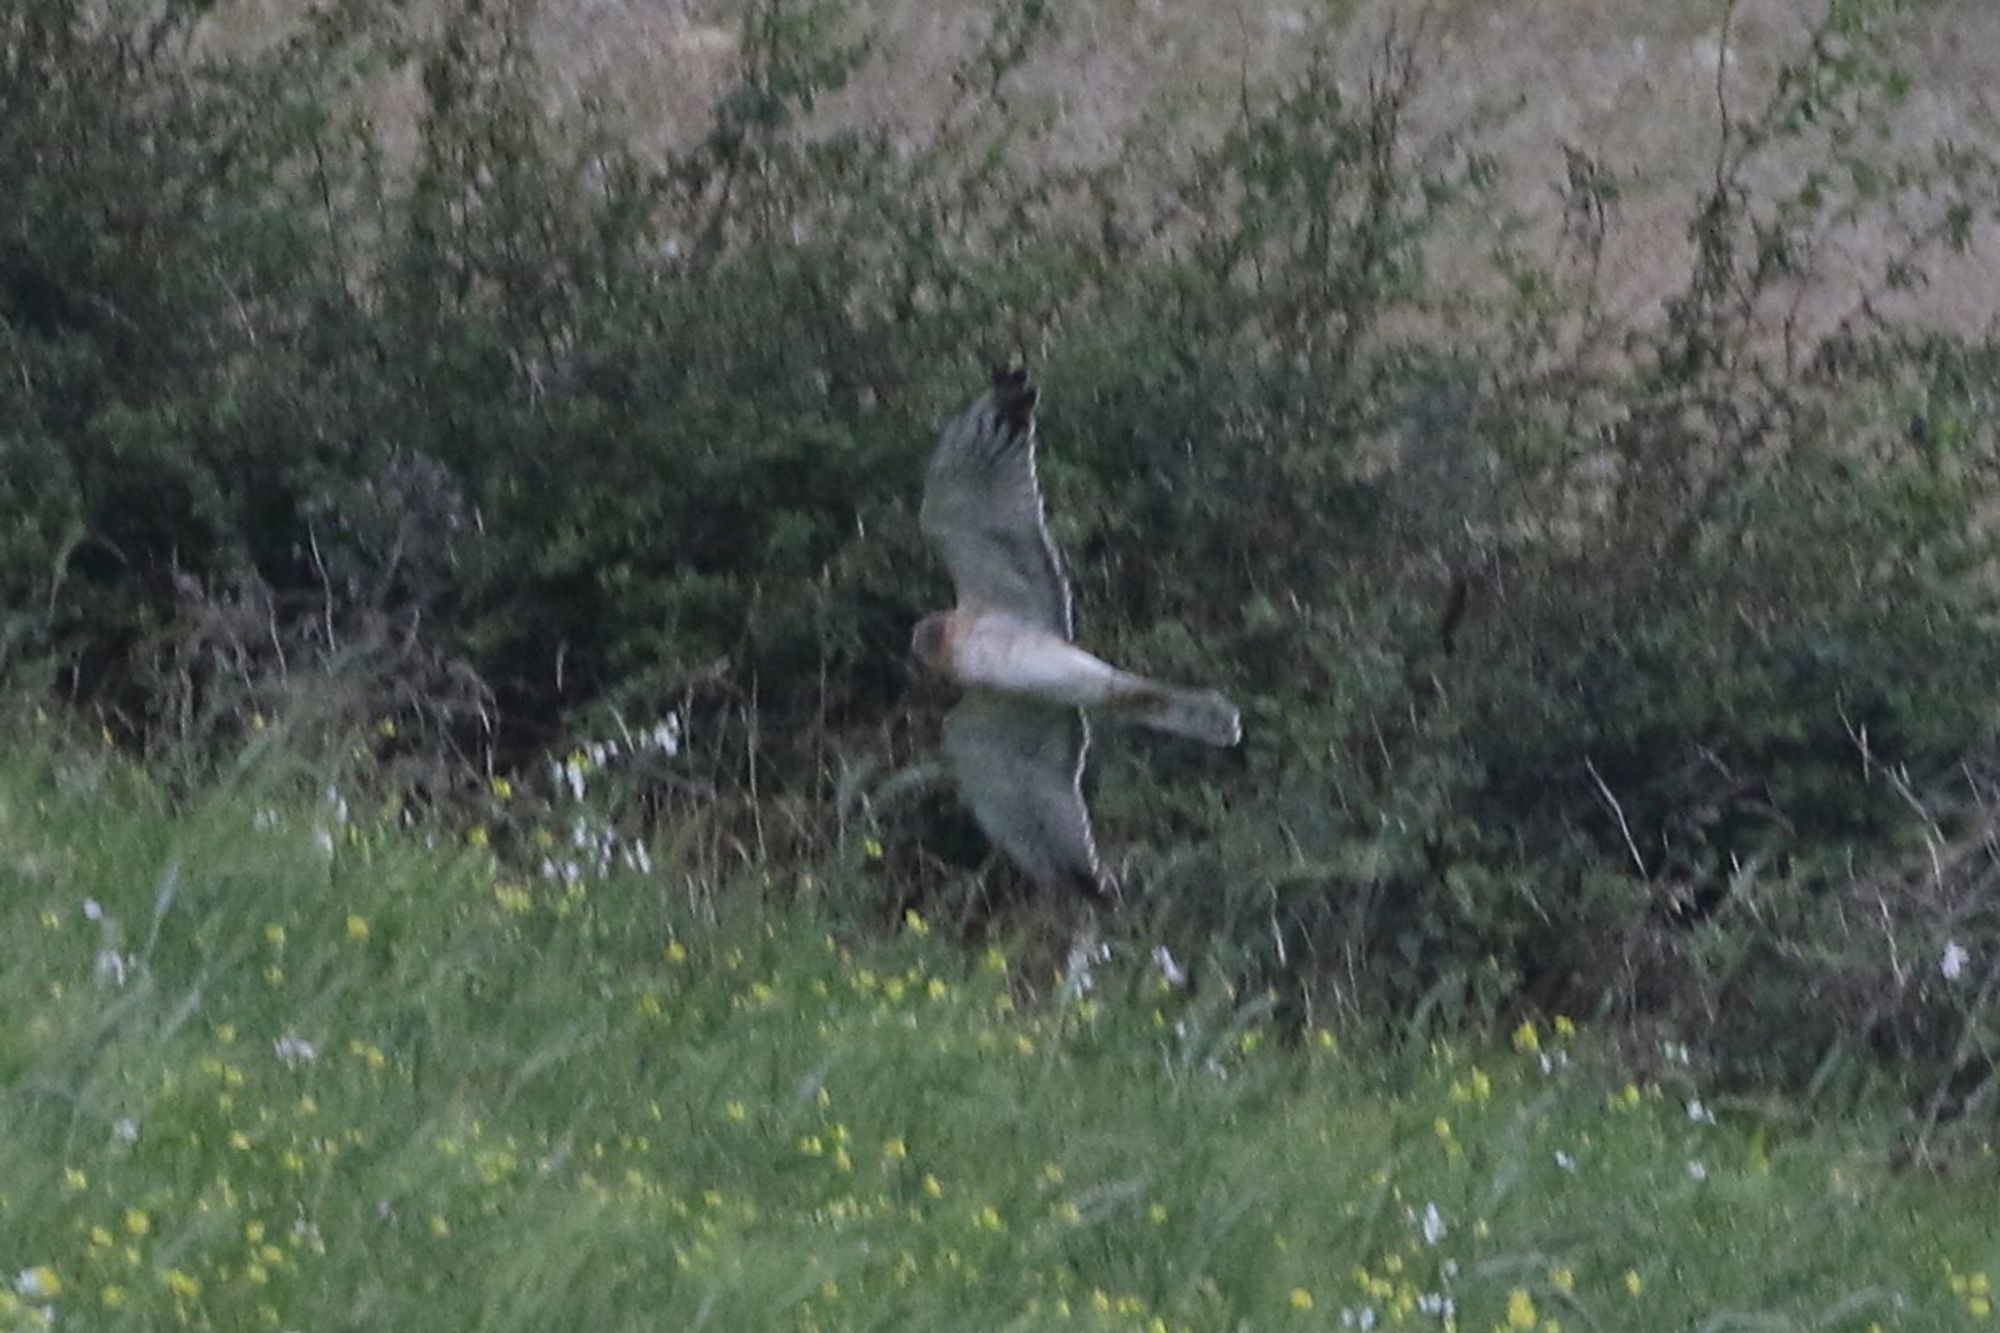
[[525, 1108]]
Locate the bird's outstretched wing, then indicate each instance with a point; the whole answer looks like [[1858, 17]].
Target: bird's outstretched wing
[[1019, 765], [983, 509]]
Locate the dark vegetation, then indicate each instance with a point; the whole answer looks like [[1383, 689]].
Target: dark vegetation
[[1643, 673]]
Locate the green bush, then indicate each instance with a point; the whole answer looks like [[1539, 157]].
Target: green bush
[[1557, 663]]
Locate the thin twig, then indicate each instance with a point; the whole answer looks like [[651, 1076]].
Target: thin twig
[[1618, 813]]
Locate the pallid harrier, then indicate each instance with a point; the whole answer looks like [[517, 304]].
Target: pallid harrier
[[1017, 741]]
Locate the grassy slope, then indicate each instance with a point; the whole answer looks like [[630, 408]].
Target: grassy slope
[[1630, 82], [583, 1111]]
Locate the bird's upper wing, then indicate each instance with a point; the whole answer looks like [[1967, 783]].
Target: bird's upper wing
[[1019, 765], [983, 509]]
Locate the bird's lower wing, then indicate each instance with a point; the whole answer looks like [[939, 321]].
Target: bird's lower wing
[[1019, 766]]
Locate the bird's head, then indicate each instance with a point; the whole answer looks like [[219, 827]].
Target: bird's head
[[928, 642]]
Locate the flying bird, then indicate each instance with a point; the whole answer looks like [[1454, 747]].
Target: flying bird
[[1017, 741]]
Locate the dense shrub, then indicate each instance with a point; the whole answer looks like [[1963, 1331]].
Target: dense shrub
[[1568, 651]]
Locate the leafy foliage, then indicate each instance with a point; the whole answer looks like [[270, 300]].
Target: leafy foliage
[[1566, 649]]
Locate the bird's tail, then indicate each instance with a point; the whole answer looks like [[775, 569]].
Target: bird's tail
[[1202, 715]]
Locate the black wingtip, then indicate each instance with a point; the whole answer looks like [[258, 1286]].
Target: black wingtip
[[1014, 397]]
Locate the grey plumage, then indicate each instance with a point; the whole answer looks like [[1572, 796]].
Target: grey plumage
[[1018, 740]]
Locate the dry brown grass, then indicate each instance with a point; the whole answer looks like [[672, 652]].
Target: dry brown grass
[[1632, 83]]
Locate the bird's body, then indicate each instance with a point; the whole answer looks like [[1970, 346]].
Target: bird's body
[[1017, 742], [992, 650]]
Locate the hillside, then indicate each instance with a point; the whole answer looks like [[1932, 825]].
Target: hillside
[[1632, 85]]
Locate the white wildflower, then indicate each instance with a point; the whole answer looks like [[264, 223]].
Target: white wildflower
[[28, 1284], [1956, 956], [92, 911], [1434, 1228], [1699, 1113], [323, 839], [125, 1129], [1565, 1161], [1696, 1171], [295, 1051], [112, 968], [1438, 1305], [1170, 969], [1077, 979]]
